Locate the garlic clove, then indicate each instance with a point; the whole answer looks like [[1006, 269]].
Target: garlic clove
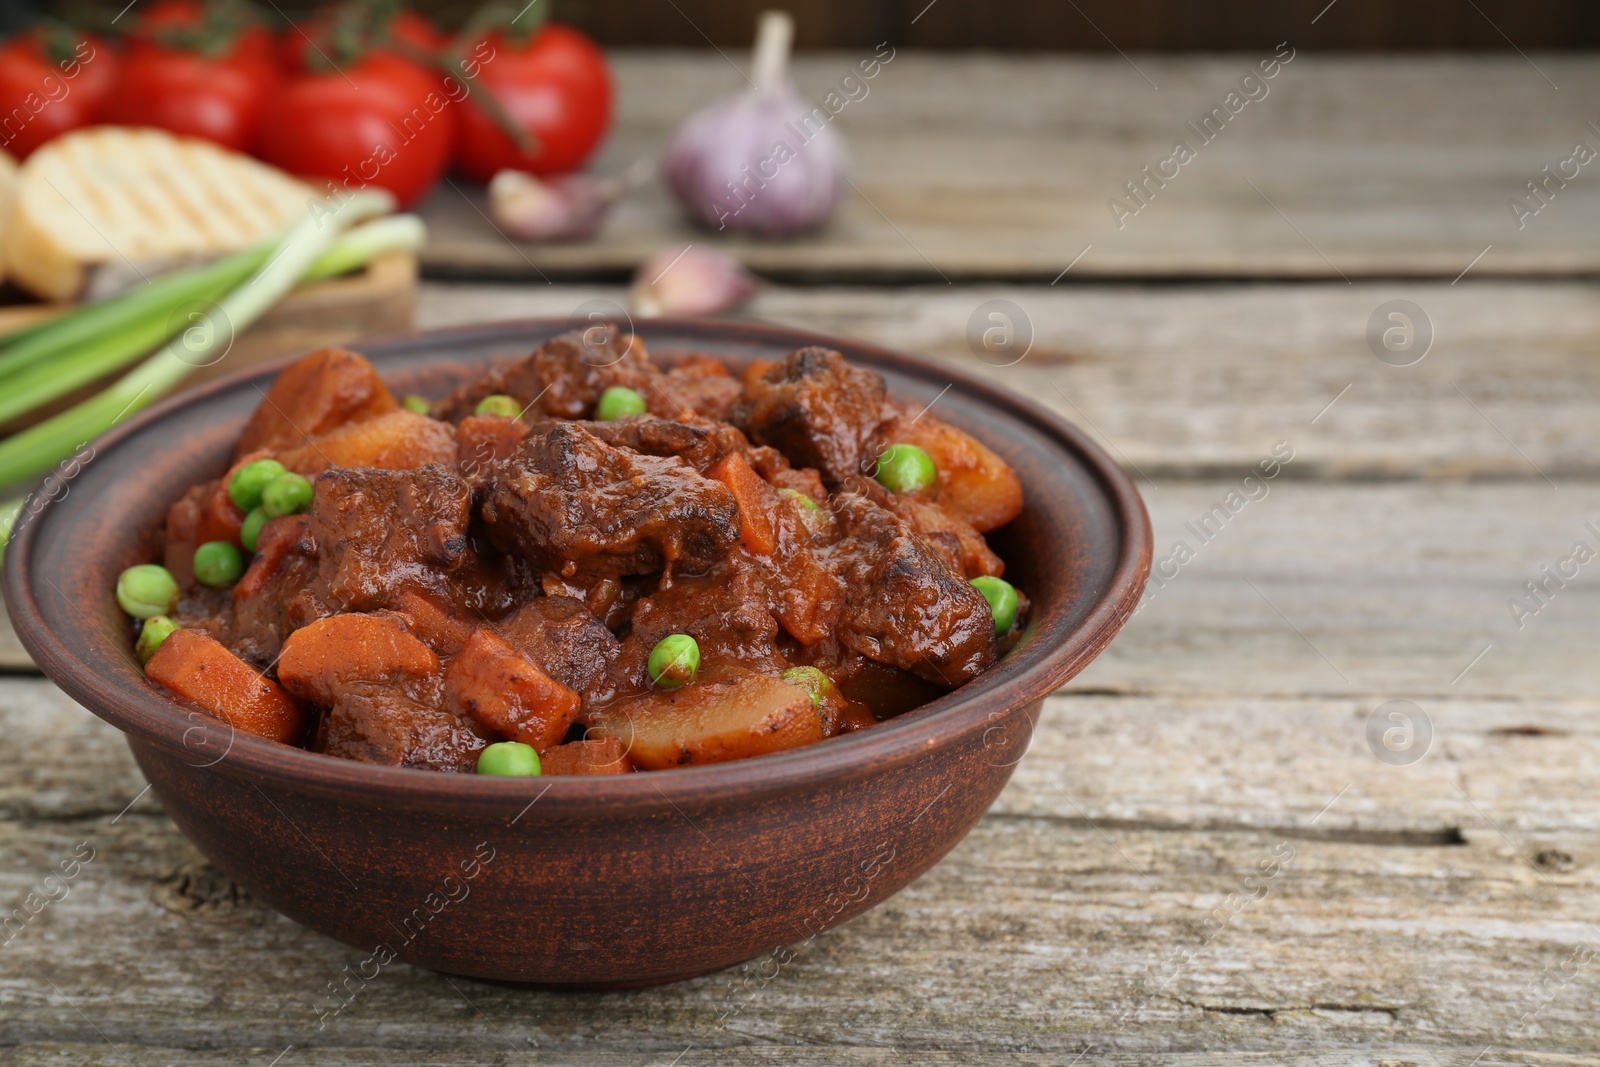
[[566, 208], [689, 281]]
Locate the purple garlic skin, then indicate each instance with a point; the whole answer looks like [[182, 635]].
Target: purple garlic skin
[[763, 162], [567, 208], [689, 281]]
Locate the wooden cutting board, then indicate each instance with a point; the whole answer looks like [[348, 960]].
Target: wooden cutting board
[[380, 299]]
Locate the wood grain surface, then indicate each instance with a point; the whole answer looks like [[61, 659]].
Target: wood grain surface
[[973, 166], [1431, 912]]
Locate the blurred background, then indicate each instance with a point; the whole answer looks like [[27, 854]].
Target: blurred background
[[1049, 25]]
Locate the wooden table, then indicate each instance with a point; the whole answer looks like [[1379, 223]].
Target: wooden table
[[1203, 860]]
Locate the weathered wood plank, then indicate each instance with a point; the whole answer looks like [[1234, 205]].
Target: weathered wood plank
[[981, 166], [55, 1054], [1389, 590], [1036, 934], [1198, 380]]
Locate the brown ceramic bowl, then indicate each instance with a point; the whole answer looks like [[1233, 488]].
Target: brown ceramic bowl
[[595, 882]]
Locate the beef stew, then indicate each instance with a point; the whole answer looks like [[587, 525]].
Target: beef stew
[[721, 567]]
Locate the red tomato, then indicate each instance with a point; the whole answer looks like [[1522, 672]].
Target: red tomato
[[556, 86], [408, 28], [164, 16], [382, 121], [190, 94], [50, 84]]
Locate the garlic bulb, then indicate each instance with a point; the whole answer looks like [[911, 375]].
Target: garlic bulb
[[689, 281], [765, 161]]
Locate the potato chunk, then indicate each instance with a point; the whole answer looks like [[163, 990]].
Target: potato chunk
[[712, 722], [401, 440], [320, 660], [314, 395], [974, 483], [507, 693], [198, 668]]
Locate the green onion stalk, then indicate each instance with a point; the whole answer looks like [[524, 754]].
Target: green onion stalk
[[233, 293]]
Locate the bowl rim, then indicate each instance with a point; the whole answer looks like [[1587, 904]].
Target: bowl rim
[[147, 716]]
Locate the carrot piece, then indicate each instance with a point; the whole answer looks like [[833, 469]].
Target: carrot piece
[[703, 365], [482, 439], [273, 544], [220, 517], [314, 395], [604, 755], [439, 627], [755, 370], [317, 660], [397, 441], [506, 692], [756, 499], [198, 668]]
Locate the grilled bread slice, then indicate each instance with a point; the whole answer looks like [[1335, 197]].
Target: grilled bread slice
[[133, 195]]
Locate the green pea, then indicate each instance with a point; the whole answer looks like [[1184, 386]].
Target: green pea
[[250, 529], [674, 661], [511, 759], [218, 563], [147, 590], [245, 487], [498, 404], [811, 680], [801, 499], [905, 469], [418, 404], [154, 631], [288, 494], [1002, 598], [618, 402]]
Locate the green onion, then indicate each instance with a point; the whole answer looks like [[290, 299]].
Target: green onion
[[40, 447], [367, 242], [89, 343]]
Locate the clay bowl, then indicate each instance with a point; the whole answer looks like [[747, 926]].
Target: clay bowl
[[588, 882]]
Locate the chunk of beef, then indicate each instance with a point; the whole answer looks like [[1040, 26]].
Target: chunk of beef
[[374, 722], [698, 442], [379, 532], [726, 611], [935, 517], [314, 395], [816, 409], [575, 506], [564, 377], [702, 443], [905, 603], [383, 690], [279, 593], [562, 636], [698, 385]]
